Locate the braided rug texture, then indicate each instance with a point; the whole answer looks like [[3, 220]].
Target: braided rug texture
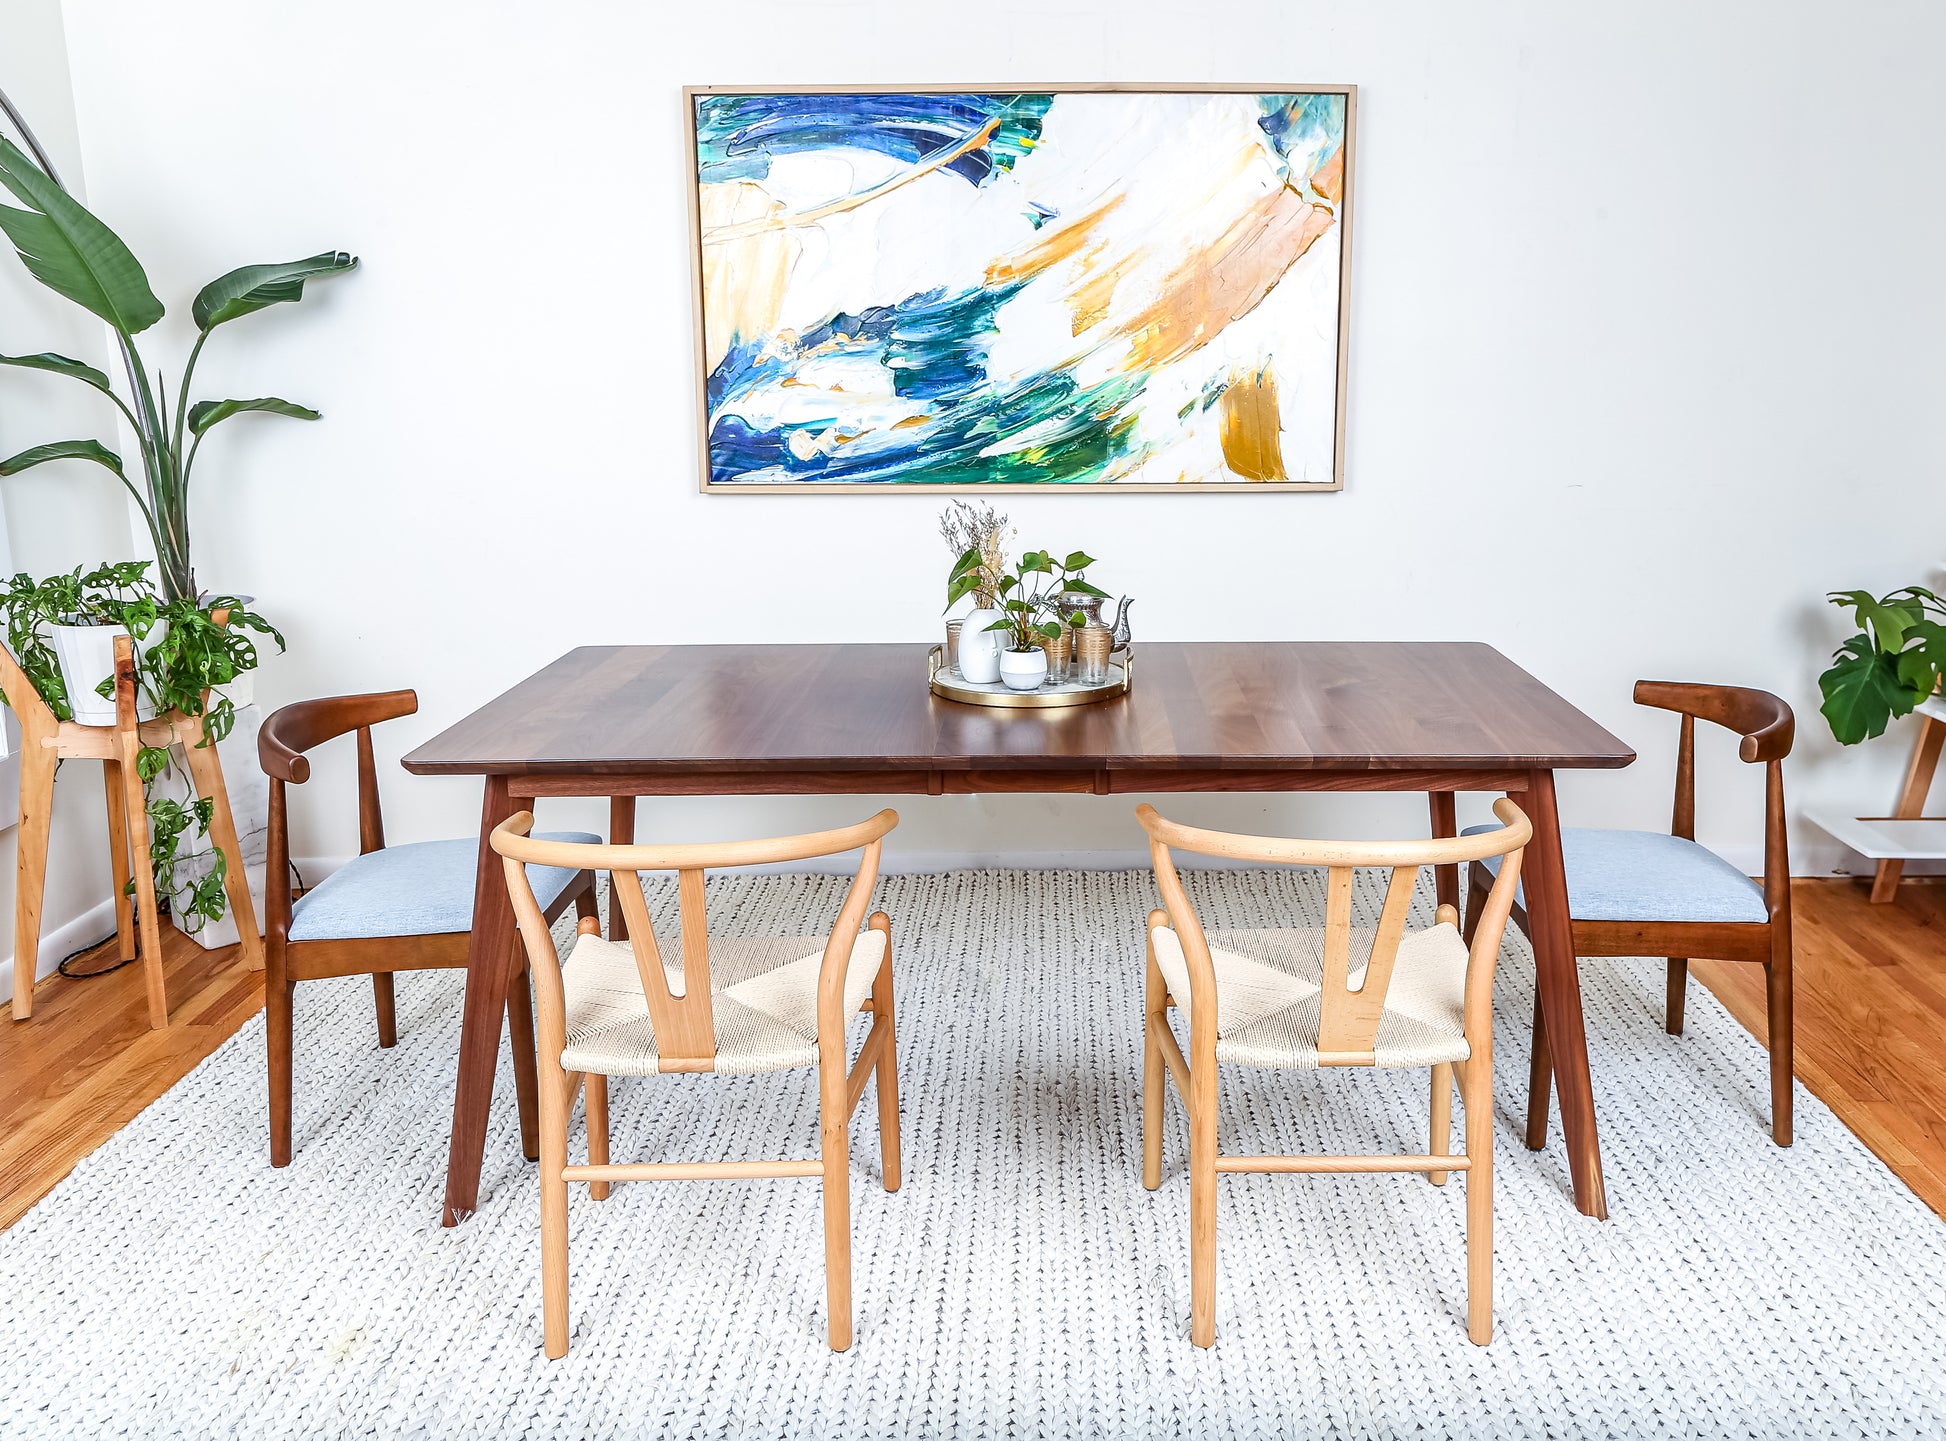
[[1022, 1283]]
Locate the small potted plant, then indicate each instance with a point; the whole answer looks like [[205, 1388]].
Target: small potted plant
[[1030, 612], [63, 631]]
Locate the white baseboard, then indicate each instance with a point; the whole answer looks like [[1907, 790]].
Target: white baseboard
[[89, 928]]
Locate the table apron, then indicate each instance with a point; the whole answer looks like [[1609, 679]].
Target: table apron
[[1099, 781]]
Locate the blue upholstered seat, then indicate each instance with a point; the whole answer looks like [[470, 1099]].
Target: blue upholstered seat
[[422, 889], [1647, 876]]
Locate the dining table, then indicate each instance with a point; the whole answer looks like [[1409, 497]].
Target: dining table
[[631, 721]]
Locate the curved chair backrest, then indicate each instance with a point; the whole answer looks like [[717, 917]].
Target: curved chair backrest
[[291, 730], [679, 997], [1763, 720], [1348, 1016]]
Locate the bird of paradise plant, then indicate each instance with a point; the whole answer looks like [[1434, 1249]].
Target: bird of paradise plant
[[75, 255]]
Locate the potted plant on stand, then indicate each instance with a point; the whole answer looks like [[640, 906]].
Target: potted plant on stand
[[184, 652], [1891, 667], [180, 635]]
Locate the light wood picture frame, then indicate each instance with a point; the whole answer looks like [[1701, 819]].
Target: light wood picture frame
[[1021, 288]]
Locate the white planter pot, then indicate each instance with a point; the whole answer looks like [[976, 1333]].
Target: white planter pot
[[1023, 669], [979, 648], [87, 657]]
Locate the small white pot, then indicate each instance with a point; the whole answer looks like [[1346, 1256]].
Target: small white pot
[[979, 648], [87, 657], [1023, 669]]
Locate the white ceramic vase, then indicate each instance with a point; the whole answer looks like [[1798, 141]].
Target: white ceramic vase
[[979, 648], [1023, 669], [87, 657]]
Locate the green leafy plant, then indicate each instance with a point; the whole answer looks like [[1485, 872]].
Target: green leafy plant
[[1028, 595], [206, 644], [1894, 662], [71, 252]]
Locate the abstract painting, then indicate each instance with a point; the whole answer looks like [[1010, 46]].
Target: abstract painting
[[1101, 287]]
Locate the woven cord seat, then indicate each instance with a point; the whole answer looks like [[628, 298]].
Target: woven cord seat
[[763, 1001], [1269, 985]]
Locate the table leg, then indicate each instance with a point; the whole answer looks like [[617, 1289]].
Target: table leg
[[1445, 825], [489, 967], [621, 832], [1544, 879], [1540, 1073]]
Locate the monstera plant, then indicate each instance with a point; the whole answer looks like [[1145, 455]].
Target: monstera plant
[[1892, 664], [73, 254]]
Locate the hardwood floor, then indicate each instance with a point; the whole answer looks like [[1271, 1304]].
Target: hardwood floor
[[1871, 1017], [88, 1062], [1871, 1028]]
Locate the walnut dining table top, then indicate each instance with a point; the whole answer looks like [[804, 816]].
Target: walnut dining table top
[[661, 720]]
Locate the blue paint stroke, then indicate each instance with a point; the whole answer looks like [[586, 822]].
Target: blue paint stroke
[[737, 136], [1304, 130]]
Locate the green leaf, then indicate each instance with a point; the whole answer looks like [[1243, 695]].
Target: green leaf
[[62, 450], [1078, 560], [205, 413], [1081, 587], [60, 365], [71, 252], [254, 287], [1863, 692], [1887, 618]]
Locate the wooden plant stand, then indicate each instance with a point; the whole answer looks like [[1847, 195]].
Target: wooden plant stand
[[47, 740], [1908, 834]]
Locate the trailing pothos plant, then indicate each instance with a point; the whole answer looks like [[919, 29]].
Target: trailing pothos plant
[[201, 645], [1894, 662], [73, 254], [1028, 595]]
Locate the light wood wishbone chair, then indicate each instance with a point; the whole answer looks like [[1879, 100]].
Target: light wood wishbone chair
[[1286, 999], [735, 1005]]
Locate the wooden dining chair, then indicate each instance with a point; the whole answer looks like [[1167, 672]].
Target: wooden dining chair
[[393, 908], [1642, 893], [1343, 995], [730, 1005]]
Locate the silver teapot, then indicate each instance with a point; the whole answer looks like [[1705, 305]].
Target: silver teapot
[[1090, 608]]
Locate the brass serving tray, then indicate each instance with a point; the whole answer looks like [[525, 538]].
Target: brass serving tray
[[947, 683]]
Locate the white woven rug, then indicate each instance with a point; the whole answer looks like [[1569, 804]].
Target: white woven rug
[[1022, 1282]]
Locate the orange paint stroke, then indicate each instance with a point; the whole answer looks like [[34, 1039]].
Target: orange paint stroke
[[1252, 431], [1329, 178], [1050, 247]]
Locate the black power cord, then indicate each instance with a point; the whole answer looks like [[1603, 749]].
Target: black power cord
[[162, 905]]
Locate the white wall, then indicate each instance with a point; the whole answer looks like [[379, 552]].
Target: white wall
[[1646, 355], [58, 516]]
